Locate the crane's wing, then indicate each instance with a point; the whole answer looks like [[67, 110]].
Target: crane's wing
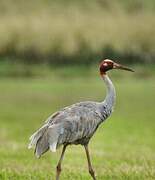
[[73, 124]]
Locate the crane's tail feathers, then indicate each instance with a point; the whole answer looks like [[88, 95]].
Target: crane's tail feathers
[[54, 133], [53, 147], [42, 145], [45, 138], [36, 136]]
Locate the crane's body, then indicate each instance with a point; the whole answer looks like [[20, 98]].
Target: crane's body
[[75, 124]]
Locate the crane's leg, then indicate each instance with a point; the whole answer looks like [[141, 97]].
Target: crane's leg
[[58, 168], [91, 171]]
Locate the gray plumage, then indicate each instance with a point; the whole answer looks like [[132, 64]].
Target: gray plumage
[[74, 124], [77, 123]]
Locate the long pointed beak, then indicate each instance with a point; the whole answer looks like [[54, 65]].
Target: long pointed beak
[[119, 66]]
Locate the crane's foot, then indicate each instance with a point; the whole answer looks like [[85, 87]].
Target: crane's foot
[[58, 171], [92, 173]]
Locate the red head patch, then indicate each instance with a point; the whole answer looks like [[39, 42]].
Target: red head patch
[[105, 66]]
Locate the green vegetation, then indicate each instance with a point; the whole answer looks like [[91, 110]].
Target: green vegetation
[[77, 32], [51, 47], [122, 148]]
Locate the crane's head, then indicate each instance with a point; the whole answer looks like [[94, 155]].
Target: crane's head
[[108, 64]]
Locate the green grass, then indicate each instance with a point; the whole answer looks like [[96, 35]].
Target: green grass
[[122, 148]]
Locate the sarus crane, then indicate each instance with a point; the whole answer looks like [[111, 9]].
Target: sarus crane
[[77, 123]]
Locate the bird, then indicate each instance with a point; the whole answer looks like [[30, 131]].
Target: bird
[[77, 123]]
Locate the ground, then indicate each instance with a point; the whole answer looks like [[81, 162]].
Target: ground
[[122, 148]]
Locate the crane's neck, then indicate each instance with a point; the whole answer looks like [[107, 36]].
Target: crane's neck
[[109, 101]]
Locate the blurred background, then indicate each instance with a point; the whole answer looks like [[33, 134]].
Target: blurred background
[[49, 56]]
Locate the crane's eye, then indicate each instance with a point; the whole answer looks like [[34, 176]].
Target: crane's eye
[[105, 64]]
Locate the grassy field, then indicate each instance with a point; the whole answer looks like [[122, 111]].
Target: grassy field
[[122, 148], [74, 30]]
